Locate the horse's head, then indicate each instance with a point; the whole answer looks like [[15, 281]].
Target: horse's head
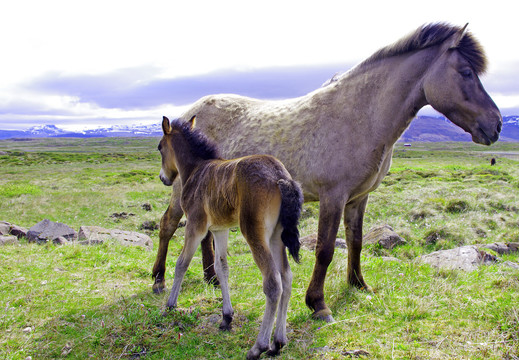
[[452, 87]]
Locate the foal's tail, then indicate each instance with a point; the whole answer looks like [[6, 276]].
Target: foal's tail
[[291, 205]]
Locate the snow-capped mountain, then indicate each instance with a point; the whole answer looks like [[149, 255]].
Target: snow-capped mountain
[[423, 128], [112, 131]]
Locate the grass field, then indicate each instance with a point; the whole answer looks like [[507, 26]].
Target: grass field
[[80, 302]]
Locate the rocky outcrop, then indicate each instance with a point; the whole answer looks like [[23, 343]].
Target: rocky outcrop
[[89, 235]]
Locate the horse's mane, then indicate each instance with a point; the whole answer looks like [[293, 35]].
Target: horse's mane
[[430, 35], [199, 143]]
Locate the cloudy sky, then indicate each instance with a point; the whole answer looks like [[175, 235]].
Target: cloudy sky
[[92, 63]]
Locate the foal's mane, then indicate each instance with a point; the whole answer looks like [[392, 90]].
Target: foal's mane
[[430, 35], [199, 143]]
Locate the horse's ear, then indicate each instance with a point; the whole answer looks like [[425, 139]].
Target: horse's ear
[[454, 41], [192, 122], [166, 126]]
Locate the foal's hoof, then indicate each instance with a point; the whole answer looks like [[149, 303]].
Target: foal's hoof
[[324, 314]]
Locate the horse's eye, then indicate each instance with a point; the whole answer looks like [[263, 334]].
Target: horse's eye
[[467, 74], [159, 147]]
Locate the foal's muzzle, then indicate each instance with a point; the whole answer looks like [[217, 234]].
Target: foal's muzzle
[[165, 180]]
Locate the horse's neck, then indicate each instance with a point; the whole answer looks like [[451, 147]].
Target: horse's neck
[[389, 92]]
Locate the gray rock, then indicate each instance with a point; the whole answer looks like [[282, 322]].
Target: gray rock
[[383, 235], [503, 248], [466, 258], [18, 231], [90, 235], [10, 229], [390, 258], [511, 264], [8, 240], [5, 227], [60, 240], [309, 242], [47, 230]]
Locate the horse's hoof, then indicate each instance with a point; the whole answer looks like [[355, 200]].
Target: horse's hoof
[[226, 323], [275, 348], [211, 280], [324, 314], [159, 286], [167, 311]]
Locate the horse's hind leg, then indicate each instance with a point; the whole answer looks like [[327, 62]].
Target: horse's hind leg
[[282, 264], [168, 226], [353, 219], [222, 271]]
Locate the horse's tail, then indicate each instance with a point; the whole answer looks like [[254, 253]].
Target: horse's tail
[[291, 206]]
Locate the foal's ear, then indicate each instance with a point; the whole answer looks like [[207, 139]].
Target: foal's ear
[[166, 126], [192, 122]]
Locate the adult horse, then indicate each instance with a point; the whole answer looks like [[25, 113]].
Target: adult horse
[[337, 141]]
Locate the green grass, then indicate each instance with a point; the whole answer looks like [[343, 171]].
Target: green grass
[[96, 302]]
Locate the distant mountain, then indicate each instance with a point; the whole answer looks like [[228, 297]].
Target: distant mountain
[[423, 128], [433, 129], [113, 131]]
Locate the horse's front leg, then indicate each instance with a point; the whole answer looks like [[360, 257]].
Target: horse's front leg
[[208, 259], [331, 208], [353, 220]]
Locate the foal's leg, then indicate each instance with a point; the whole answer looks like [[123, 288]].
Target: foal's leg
[[168, 226], [222, 271], [331, 208], [193, 238], [353, 220], [280, 257], [254, 232]]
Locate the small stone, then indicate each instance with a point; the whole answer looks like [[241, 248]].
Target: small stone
[[385, 236], [27, 330], [8, 240], [60, 240]]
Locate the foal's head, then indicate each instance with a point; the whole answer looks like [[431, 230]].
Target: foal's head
[[181, 144]]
